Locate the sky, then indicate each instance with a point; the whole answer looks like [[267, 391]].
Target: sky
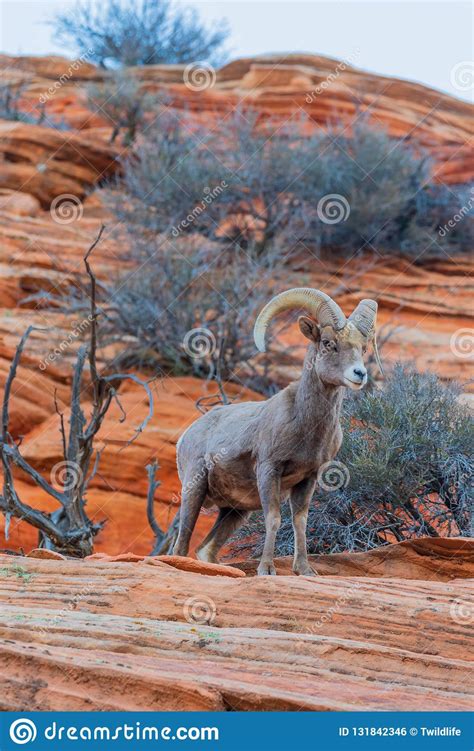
[[425, 41]]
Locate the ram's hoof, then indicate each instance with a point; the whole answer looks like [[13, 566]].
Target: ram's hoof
[[266, 569], [304, 571]]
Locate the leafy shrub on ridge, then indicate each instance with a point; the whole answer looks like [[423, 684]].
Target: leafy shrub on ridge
[[272, 181]]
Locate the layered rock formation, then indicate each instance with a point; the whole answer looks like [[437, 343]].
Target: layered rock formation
[[47, 163], [42, 245], [380, 630], [104, 635], [284, 87]]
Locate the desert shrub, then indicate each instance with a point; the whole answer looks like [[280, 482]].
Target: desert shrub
[[374, 182], [183, 313], [139, 32], [123, 102], [393, 205], [10, 99], [11, 94], [406, 471], [228, 186], [269, 191], [165, 178], [446, 216]]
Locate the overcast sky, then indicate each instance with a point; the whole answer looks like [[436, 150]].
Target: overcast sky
[[425, 41]]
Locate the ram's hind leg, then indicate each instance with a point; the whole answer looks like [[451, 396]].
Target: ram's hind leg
[[192, 498], [226, 523]]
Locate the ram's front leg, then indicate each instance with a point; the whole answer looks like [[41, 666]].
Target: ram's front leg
[[268, 482], [300, 498]]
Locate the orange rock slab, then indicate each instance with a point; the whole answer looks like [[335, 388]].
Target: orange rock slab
[[427, 558], [47, 163], [98, 635]]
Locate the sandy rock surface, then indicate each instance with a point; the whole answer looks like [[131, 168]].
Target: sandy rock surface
[[97, 634]]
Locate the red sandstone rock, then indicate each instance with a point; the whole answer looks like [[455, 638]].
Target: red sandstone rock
[[51, 555], [122, 558], [52, 67], [196, 567], [23, 204], [428, 558], [97, 557], [117, 636], [48, 163], [321, 86], [378, 630]]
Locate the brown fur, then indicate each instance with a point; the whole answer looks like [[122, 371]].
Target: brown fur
[[245, 456]]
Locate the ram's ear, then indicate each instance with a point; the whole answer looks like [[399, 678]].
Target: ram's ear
[[309, 328]]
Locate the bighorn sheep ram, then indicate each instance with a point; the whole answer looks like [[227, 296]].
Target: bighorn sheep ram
[[241, 457]]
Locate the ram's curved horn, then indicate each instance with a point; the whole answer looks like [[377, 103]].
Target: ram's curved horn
[[376, 353], [364, 319], [317, 303]]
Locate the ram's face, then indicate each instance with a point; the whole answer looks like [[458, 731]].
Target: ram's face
[[339, 358]]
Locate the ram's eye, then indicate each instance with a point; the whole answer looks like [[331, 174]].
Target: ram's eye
[[329, 345]]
